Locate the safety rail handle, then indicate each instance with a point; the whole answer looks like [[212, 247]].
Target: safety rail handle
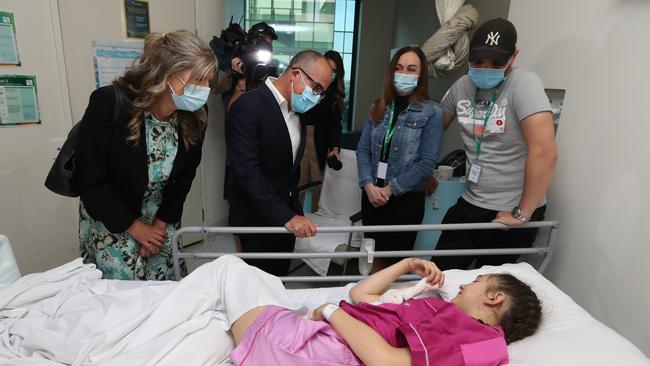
[[361, 228], [377, 254], [547, 250], [348, 278]]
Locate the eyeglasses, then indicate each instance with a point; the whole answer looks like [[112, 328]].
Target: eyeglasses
[[316, 88]]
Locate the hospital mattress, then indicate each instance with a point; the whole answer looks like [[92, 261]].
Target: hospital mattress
[[42, 315]]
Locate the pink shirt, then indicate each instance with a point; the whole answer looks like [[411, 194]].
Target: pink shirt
[[437, 332]]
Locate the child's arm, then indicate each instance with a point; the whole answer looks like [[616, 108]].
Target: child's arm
[[372, 287], [367, 344]]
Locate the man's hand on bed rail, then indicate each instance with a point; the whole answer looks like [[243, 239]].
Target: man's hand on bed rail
[[506, 218], [301, 227]]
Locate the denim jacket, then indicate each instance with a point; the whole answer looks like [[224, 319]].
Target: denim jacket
[[415, 147]]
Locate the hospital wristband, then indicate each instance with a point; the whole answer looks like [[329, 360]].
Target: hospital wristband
[[329, 310]]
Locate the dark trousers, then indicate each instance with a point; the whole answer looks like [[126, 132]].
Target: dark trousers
[[464, 212], [269, 243], [407, 209]]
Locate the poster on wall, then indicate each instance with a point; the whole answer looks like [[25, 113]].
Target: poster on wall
[[18, 101], [8, 44], [136, 18], [112, 58]]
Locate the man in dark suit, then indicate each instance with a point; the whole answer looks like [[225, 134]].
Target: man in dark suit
[[265, 142]]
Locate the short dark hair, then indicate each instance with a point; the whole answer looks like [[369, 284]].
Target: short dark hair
[[304, 58], [524, 313]]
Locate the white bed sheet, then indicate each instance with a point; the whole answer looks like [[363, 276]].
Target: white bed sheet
[[568, 335], [58, 315]]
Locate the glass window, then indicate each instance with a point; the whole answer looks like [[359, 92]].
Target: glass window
[[339, 21], [338, 40], [349, 16]]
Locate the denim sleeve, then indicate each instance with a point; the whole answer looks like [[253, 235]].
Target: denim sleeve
[[430, 146], [364, 155]]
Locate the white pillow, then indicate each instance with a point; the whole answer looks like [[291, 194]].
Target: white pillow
[[456, 277], [550, 296], [574, 336]]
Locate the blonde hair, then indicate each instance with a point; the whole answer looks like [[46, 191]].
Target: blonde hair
[[167, 54]]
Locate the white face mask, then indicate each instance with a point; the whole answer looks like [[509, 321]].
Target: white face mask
[[405, 83]]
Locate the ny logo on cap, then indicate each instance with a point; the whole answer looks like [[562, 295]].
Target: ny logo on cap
[[493, 39]]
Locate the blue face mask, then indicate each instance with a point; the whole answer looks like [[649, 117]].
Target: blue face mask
[[487, 78], [305, 101], [333, 77], [405, 84], [194, 97]]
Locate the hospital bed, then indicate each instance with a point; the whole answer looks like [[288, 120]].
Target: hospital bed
[[170, 323]]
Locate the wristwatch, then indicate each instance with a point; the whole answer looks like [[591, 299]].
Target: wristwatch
[[519, 215]]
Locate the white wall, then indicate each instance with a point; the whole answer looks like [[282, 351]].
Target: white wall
[[39, 224], [598, 51], [211, 18], [373, 53]]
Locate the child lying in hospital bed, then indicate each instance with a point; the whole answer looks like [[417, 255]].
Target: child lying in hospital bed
[[472, 329], [70, 316]]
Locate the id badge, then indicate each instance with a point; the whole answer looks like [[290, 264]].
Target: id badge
[[382, 168], [474, 173]]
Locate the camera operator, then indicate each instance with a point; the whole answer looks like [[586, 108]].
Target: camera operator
[[251, 64]]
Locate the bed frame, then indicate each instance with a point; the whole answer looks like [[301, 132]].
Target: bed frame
[[544, 248]]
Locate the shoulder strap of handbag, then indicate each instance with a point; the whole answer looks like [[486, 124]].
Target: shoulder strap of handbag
[[119, 101]]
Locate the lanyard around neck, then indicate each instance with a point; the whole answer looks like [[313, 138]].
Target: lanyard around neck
[[479, 139], [390, 128]]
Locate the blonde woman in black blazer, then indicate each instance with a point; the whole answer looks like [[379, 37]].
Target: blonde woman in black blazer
[[135, 172]]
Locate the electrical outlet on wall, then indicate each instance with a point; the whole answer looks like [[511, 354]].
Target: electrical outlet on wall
[[55, 147], [556, 99]]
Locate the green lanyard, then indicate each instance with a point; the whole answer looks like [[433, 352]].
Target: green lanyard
[[389, 129], [479, 139]]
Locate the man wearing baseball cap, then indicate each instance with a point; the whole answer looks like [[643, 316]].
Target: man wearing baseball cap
[[507, 129]]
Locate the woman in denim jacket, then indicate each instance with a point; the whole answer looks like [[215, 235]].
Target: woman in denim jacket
[[399, 148]]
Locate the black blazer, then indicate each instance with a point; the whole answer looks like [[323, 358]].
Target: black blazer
[[265, 176], [113, 174]]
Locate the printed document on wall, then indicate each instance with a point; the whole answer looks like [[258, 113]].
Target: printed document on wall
[[136, 19], [18, 100], [8, 44], [113, 58]]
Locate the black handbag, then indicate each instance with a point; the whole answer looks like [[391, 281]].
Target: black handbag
[[62, 177]]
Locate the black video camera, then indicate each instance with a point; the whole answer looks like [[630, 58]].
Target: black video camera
[[252, 48]]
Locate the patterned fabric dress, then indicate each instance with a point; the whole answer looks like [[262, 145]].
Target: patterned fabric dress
[[117, 255]]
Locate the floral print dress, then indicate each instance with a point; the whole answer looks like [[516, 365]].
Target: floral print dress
[[117, 255]]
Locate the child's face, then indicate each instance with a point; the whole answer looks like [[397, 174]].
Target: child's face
[[472, 294]]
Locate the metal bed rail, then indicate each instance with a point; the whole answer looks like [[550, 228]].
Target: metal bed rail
[[545, 249]]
